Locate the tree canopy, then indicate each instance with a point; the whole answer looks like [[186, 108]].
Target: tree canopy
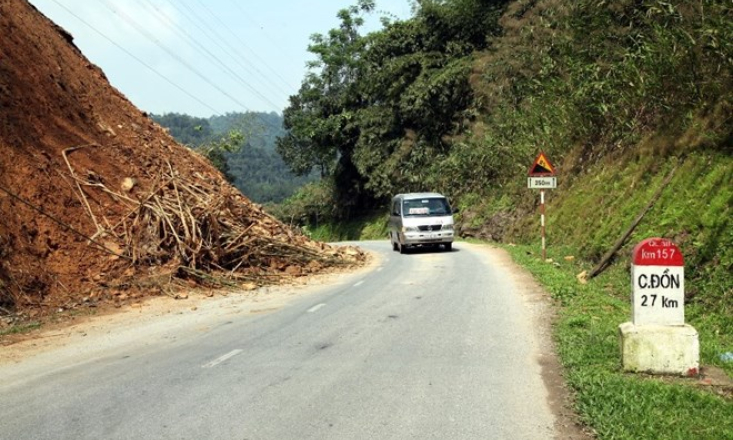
[[458, 96], [374, 110]]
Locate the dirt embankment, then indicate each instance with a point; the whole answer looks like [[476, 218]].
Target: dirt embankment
[[99, 205]]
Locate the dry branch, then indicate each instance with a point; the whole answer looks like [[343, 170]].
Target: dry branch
[[606, 260], [206, 226]]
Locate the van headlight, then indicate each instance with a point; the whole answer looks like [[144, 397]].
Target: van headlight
[[447, 228], [409, 229]]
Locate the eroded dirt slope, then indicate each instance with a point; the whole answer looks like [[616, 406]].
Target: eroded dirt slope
[[99, 204]]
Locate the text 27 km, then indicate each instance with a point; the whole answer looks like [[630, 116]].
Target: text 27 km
[[666, 303]]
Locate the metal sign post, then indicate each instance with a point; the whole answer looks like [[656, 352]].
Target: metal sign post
[[542, 222], [542, 176]]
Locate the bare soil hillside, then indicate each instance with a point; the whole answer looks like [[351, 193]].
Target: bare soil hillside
[[99, 205]]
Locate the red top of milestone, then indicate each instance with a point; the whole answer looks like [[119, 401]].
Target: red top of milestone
[[657, 252]]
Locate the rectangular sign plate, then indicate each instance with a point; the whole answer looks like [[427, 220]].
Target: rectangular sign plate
[[542, 182], [658, 295]]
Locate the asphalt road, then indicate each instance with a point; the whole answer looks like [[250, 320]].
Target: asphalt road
[[428, 345]]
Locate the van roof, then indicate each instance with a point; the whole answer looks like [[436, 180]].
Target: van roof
[[422, 195]]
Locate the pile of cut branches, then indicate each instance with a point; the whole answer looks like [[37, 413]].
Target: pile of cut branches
[[204, 225]]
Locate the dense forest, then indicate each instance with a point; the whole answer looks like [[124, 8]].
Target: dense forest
[[465, 92], [242, 146], [462, 96]]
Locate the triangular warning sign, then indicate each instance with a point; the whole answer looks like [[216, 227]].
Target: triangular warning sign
[[541, 167]]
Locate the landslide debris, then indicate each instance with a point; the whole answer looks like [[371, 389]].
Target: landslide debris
[[98, 204]]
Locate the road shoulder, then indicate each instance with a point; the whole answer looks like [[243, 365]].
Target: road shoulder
[[568, 425]]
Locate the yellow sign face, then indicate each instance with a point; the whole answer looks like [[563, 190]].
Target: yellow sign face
[[541, 167], [542, 161]]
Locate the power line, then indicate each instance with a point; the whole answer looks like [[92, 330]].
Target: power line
[[272, 40], [241, 42], [149, 36], [165, 78], [203, 50], [214, 37], [152, 38], [166, 20], [214, 111]]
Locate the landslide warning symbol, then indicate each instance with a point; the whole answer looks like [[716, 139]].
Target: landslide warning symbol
[[541, 167]]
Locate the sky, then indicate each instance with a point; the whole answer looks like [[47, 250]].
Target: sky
[[204, 57]]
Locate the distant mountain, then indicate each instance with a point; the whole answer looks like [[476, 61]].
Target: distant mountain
[[254, 166]]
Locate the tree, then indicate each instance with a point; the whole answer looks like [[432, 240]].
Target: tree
[[216, 151], [376, 111], [186, 129], [318, 117]]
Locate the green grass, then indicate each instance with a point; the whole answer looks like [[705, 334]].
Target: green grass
[[21, 328], [585, 217], [615, 404], [371, 227]]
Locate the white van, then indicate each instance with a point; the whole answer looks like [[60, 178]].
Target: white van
[[420, 219]]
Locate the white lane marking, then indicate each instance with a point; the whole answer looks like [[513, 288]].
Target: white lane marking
[[315, 308], [359, 283], [221, 359]]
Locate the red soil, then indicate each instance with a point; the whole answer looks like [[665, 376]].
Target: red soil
[[64, 129]]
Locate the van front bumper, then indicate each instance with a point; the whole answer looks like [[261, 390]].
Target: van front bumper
[[434, 237]]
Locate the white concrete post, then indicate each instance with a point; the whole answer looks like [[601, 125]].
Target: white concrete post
[[657, 340]]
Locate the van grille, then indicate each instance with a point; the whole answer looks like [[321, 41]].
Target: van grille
[[425, 228]]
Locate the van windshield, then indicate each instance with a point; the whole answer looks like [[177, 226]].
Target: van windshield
[[425, 207]]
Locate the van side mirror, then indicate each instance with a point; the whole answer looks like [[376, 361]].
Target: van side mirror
[[455, 210]]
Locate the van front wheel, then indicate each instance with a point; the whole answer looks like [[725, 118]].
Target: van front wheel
[[448, 247]]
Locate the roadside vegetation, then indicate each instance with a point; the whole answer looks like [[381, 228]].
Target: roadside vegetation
[[615, 404], [632, 101]]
